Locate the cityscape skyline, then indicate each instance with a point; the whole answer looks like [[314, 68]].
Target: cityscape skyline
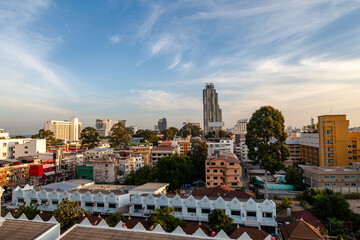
[[135, 60]]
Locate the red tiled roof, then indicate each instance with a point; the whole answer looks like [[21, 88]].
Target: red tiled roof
[[223, 191], [192, 227], [300, 230], [254, 233], [308, 217], [163, 148]]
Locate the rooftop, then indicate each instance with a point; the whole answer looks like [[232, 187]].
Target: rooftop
[[150, 187], [23, 230]]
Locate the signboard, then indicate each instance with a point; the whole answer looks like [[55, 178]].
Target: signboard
[[216, 124]]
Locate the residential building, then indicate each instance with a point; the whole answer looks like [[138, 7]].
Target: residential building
[[98, 153], [3, 134], [103, 126], [339, 179], [105, 169], [144, 149], [162, 151], [197, 124], [211, 110], [223, 169], [132, 128], [310, 148], [130, 163], [295, 150], [220, 144], [65, 130], [240, 126], [300, 230], [307, 216], [12, 148], [241, 149], [246, 212], [222, 191], [162, 124]]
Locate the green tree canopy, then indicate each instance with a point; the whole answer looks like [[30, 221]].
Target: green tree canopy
[[175, 131], [332, 205], [218, 220], [30, 211], [148, 135], [190, 129], [312, 195], [198, 155], [168, 134], [48, 136], [114, 219], [167, 221], [68, 212], [141, 176], [265, 139], [89, 136], [295, 177], [119, 136]]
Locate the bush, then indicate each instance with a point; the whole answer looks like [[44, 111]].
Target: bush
[[114, 219], [29, 211], [219, 220], [167, 221]]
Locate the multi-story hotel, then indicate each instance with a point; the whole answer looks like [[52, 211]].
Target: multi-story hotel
[[65, 130], [223, 169], [212, 111]]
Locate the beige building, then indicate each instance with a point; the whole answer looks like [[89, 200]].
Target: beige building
[[343, 180], [105, 169], [65, 130], [223, 169], [144, 149], [162, 151]]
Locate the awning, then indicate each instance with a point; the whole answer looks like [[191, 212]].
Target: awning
[[49, 173]]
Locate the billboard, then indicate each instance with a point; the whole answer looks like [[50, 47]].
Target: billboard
[[216, 124]]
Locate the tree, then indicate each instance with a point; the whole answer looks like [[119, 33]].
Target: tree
[[30, 211], [148, 135], [285, 203], [141, 176], [198, 155], [48, 136], [219, 220], [332, 205], [265, 139], [119, 136], [167, 221], [68, 212], [114, 219], [295, 177], [168, 134], [190, 129], [312, 195], [175, 131], [175, 170], [89, 136], [335, 226]]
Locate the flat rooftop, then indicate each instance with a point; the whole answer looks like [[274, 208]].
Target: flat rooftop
[[67, 185], [150, 187]]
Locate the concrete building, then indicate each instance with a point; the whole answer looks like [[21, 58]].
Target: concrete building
[[309, 143], [240, 126], [218, 144], [3, 134], [162, 124], [223, 169], [339, 179], [103, 126], [248, 212], [130, 163], [211, 109], [162, 151], [241, 150], [143, 149], [65, 130], [98, 153], [14, 148], [295, 150], [105, 169]]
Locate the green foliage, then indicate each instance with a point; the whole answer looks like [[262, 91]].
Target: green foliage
[[335, 226], [175, 170], [253, 180], [267, 124], [332, 205], [30, 211], [295, 177], [89, 136], [190, 129], [168, 134], [352, 196], [68, 212], [119, 136], [167, 221], [175, 131], [219, 220], [312, 195], [198, 155], [285, 203], [148, 135], [48, 136], [141, 176], [219, 134], [114, 219]]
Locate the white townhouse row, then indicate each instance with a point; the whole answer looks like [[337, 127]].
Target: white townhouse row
[[248, 212]]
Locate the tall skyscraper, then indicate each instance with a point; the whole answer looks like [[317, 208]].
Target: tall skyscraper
[[162, 124], [212, 111]]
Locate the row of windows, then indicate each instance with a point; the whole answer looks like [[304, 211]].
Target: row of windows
[[221, 164], [334, 184], [344, 176]]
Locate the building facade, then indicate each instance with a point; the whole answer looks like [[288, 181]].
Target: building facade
[[223, 169], [309, 143], [64, 130], [162, 124], [211, 109], [103, 126], [162, 151], [295, 150], [220, 145], [240, 126], [12, 148]]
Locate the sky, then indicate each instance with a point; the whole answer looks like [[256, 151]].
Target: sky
[[144, 60]]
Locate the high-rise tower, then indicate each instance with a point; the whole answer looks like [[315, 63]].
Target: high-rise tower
[[212, 111]]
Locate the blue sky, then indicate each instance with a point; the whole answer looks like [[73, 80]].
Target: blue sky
[[143, 60]]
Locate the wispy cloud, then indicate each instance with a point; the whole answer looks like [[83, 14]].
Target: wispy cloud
[[148, 25], [115, 39]]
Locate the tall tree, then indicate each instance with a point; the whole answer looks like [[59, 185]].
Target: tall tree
[[168, 134], [148, 135], [198, 155], [89, 136], [295, 177], [190, 129], [48, 136], [175, 131], [332, 205], [218, 220], [68, 212], [164, 217], [119, 136], [141, 176], [265, 139]]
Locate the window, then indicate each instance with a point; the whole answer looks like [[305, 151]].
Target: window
[[330, 141], [331, 149], [150, 207], [347, 184], [87, 204], [4, 154], [329, 132], [207, 177], [235, 178], [326, 176], [212, 164], [208, 183], [231, 164], [215, 170], [349, 146], [55, 202], [234, 184], [208, 170], [353, 176], [349, 152], [4, 144], [327, 184], [354, 146], [235, 171], [34, 201], [100, 205], [44, 201], [20, 200], [333, 184], [353, 184], [346, 176], [267, 215], [106, 165], [137, 206], [26, 147], [207, 163], [177, 209], [215, 177], [205, 211], [331, 155], [236, 213], [251, 214], [331, 160], [192, 210], [215, 184], [113, 205], [332, 176], [222, 164]]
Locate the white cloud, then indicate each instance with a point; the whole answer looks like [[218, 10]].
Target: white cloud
[[159, 100], [115, 39], [148, 25]]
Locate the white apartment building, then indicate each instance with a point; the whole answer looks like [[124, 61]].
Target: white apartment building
[[163, 151], [14, 148], [309, 139], [3, 134], [248, 212], [65, 130], [98, 153], [240, 126], [223, 145], [103, 126]]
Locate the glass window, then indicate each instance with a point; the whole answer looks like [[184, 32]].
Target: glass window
[[251, 214], [206, 210], [232, 164], [236, 213], [113, 205], [346, 176], [332, 177], [150, 207], [215, 170], [330, 141], [193, 210], [353, 184], [326, 176], [100, 205], [329, 131]]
